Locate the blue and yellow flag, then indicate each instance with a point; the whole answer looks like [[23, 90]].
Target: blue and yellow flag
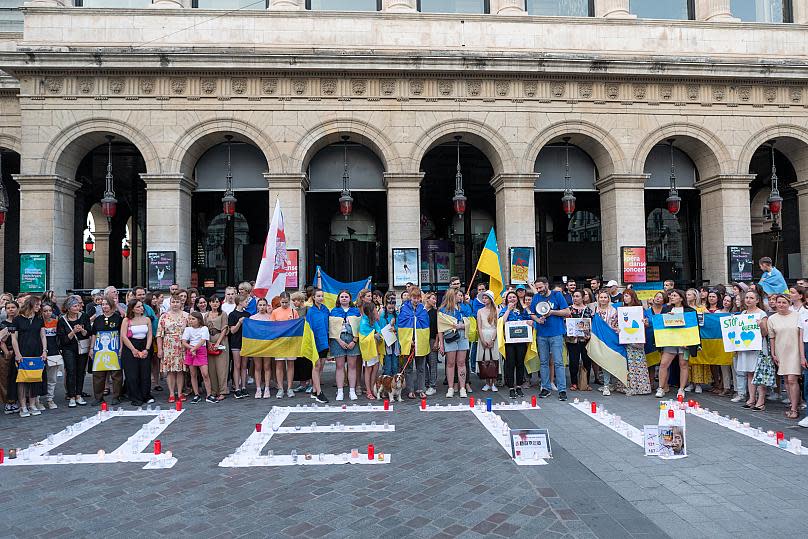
[[531, 359], [712, 344], [490, 265], [331, 287], [674, 329], [291, 338], [605, 349], [652, 355], [413, 325]]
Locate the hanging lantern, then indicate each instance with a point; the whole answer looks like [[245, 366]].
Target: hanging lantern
[[568, 200], [459, 199], [109, 204], [126, 250], [673, 203], [3, 195], [345, 199], [229, 198], [775, 201], [89, 244]]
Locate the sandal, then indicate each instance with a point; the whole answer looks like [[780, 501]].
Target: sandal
[[106, 391], [758, 408], [370, 396], [792, 414], [749, 405], [573, 387], [411, 396], [421, 395]]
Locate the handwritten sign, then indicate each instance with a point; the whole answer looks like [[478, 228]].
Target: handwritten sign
[[630, 325], [673, 320], [741, 333]]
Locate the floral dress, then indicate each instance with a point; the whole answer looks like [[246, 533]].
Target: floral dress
[[170, 329]]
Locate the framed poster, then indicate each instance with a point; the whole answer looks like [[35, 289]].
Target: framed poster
[[292, 271], [519, 331], [579, 327], [162, 269], [739, 258], [633, 264], [406, 267], [530, 444], [522, 264], [34, 276]]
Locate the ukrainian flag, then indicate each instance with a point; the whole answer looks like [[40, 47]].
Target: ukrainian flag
[[369, 347], [712, 344], [652, 355], [531, 359], [605, 349], [291, 338], [490, 265], [686, 335], [331, 287], [337, 318], [413, 325]]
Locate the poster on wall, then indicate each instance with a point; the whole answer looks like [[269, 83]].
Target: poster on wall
[[523, 265], [162, 269], [436, 263], [34, 272], [630, 325], [405, 267], [633, 264], [292, 268], [740, 262]]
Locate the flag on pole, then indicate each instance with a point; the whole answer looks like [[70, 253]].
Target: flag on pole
[[490, 265], [271, 279], [331, 287]]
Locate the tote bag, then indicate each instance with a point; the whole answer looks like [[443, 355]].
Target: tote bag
[[30, 370]]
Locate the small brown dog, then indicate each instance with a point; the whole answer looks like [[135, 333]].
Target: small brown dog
[[392, 386]]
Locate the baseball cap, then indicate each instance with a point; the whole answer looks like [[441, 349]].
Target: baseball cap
[[611, 283], [520, 287]]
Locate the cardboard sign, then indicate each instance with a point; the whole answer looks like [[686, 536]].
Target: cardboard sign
[[673, 320], [530, 444], [741, 333], [630, 325]]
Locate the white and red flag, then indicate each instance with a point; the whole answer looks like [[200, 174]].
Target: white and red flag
[[271, 280]]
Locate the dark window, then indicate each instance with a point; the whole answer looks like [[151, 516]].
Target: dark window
[[762, 10], [230, 4], [454, 6], [561, 8], [669, 9], [344, 5]]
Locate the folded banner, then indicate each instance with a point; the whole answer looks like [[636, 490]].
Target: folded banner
[[531, 358], [332, 287], [413, 325], [674, 329], [30, 370], [712, 344], [605, 349], [291, 338]]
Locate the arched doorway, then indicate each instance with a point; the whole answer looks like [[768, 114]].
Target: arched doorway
[[451, 244], [673, 242], [226, 250], [351, 247], [125, 228], [10, 233], [567, 245]]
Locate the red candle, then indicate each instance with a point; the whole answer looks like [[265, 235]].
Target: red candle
[[691, 403], [158, 447], [780, 436], [371, 451], [178, 405], [533, 401], [471, 402], [423, 404], [670, 413], [2, 455], [594, 407], [258, 427], [386, 404], [104, 407], [680, 397]]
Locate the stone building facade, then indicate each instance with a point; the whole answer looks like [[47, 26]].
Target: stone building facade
[[172, 81]]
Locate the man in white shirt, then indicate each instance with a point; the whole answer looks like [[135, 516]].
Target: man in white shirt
[[166, 306]]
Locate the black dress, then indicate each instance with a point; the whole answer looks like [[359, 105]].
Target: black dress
[[29, 340]]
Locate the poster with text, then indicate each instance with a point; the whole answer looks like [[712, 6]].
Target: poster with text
[[630, 325], [162, 269], [633, 264], [292, 271], [530, 444], [405, 267], [33, 273], [740, 333], [522, 263], [740, 262]]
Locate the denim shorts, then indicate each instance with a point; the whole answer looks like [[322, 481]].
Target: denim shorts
[[459, 345]]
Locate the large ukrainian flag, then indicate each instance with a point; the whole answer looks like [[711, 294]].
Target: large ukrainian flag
[[687, 335], [413, 325], [292, 338], [331, 287], [531, 359], [712, 344], [490, 265], [605, 349], [652, 355]]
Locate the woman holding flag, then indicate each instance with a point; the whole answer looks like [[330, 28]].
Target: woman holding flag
[[263, 365], [343, 325], [413, 330], [452, 340], [369, 338], [606, 311], [676, 304], [317, 317]]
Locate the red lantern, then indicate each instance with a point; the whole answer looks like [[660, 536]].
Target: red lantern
[[89, 245], [459, 203], [346, 204], [673, 203], [2, 217], [568, 203], [109, 207], [775, 202], [229, 204], [126, 251]]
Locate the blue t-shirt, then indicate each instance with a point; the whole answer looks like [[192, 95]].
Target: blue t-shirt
[[553, 325], [515, 315]]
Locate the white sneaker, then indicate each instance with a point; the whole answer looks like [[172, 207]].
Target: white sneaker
[[606, 391], [450, 393], [486, 387], [352, 394], [689, 387], [803, 422], [553, 386], [80, 401], [35, 411], [71, 403], [773, 397], [738, 398], [39, 406], [660, 393], [494, 389], [339, 395], [266, 394], [698, 389], [258, 393], [431, 391], [803, 406], [290, 393], [463, 394], [24, 412], [680, 392], [279, 394], [52, 405]]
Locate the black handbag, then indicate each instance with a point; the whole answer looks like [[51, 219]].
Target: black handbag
[[488, 367], [451, 336]]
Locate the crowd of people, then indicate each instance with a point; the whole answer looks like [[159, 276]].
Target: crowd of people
[[192, 343]]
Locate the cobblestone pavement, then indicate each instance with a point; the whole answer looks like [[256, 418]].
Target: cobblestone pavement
[[448, 478]]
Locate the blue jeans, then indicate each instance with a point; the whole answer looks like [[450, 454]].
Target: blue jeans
[[390, 365], [805, 377], [554, 345]]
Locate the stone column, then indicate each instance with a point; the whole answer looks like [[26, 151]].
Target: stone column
[[403, 215], [171, 4], [290, 189], [802, 204], [508, 7], [168, 226], [725, 220], [622, 218], [613, 9], [799, 9], [516, 214], [47, 207], [286, 5], [409, 6], [101, 255], [714, 11]]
